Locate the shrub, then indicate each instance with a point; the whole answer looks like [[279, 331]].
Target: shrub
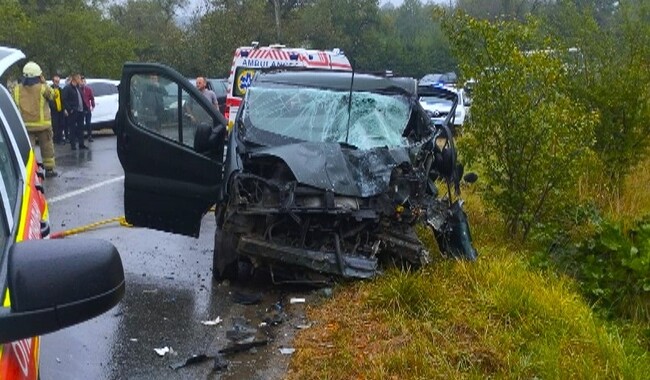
[[613, 267], [528, 136]]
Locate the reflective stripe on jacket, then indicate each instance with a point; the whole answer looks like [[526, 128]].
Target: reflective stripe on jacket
[[33, 104]]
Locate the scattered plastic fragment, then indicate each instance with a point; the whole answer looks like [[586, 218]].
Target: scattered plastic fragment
[[133, 339], [212, 322], [303, 326], [191, 360], [297, 300], [162, 351], [287, 351]]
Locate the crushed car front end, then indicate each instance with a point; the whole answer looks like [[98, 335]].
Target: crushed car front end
[[331, 173]]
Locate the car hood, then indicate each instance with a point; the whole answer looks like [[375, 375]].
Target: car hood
[[9, 56], [344, 171]]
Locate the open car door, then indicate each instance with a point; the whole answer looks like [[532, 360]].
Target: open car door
[[170, 142]]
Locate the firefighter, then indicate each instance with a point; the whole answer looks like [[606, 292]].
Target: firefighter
[[32, 96]]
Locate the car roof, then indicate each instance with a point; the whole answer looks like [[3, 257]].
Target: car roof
[[102, 80], [338, 80]]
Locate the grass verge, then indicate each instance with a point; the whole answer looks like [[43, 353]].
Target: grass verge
[[494, 318]]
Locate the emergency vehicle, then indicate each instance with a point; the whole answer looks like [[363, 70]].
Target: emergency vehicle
[[250, 59], [40, 290]]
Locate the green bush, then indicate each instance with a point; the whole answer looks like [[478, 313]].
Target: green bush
[[613, 268], [527, 135]]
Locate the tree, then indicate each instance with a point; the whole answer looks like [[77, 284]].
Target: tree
[[152, 24], [527, 134], [15, 25], [612, 75], [95, 46], [499, 9]]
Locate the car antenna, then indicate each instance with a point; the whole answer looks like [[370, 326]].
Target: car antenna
[[347, 132]]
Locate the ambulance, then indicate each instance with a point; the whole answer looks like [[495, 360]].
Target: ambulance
[[250, 59]]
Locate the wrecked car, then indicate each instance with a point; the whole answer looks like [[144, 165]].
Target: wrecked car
[[323, 172]]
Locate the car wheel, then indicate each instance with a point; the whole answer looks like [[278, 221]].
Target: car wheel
[[225, 262]]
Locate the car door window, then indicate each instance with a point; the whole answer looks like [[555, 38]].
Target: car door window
[[8, 168], [166, 108]]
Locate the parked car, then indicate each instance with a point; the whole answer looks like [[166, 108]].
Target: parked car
[[319, 176], [439, 102], [45, 285], [106, 102]]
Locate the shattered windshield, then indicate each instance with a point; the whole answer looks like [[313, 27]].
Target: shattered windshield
[[321, 115]]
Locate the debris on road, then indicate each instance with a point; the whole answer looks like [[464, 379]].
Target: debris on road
[[212, 322], [241, 332], [287, 351], [194, 359], [162, 351], [296, 300]]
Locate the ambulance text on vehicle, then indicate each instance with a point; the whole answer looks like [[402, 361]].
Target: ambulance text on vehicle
[[249, 59]]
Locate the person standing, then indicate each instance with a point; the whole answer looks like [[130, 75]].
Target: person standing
[[202, 86], [89, 106], [56, 111], [74, 110], [32, 97]]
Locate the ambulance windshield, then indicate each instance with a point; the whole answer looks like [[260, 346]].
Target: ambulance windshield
[[321, 115]]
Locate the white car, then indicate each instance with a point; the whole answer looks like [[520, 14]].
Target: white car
[[438, 106], [106, 102]]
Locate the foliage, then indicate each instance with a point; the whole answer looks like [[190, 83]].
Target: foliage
[[495, 318], [613, 267], [15, 25], [612, 75], [526, 133]]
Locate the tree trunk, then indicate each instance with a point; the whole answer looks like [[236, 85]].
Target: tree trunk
[[276, 4]]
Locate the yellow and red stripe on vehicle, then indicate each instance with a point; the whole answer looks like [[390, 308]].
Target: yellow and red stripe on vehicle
[[19, 359]]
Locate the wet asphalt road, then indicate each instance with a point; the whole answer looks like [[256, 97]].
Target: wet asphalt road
[[169, 291]]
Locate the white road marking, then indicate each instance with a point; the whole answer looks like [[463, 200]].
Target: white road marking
[[84, 190]]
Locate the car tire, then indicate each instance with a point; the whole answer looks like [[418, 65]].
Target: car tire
[[223, 266]]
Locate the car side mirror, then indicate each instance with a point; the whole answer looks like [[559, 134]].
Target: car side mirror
[[58, 283], [209, 140]]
